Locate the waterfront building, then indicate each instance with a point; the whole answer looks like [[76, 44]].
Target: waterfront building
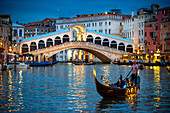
[[107, 23], [5, 33], [40, 27], [134, 27], [157, 31], [17, 36]]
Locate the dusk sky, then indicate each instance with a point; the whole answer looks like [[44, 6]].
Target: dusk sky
[[25, 11]]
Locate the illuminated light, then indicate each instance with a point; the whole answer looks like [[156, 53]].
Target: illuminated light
[[156, 54], [125, 55], [10, 49], [106, 13]]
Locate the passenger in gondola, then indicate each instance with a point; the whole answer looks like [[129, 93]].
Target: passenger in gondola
[[120, 83], [134, 71], [127, 83]]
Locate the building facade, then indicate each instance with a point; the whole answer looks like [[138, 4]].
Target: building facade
[[157, 31], [5, 33], [17, 36], [40, 27], [107, 23], [134, 27]]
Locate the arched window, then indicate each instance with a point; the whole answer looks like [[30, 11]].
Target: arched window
[[20, 33], [113, 44], [33, 46], [57, 40], [98, 40], [41, 44], [24, 48], [49, 42], [89, 38], [129, 48], [106, 42], [65, 38], [121, 46], [15, 32]]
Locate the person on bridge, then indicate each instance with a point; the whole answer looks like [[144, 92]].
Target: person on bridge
[[134, 70]]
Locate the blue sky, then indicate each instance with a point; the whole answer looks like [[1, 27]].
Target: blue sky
[[26, 11]]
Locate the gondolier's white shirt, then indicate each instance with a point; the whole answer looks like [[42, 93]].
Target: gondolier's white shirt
[[135, 67]]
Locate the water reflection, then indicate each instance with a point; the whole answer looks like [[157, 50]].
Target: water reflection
[[111, 104], [157, 85], [12, 97], [77, 92], [69, 88]]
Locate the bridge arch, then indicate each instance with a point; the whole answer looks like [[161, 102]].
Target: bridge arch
[[49, 42], [129, 48], [24, 48], [57, 40], [106, 42], [41, 44], [89, 38], [121, 46], [65, 38], [98, 40], [33, 46], [113, 44]]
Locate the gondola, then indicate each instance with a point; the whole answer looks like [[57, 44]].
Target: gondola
[[113, 91]]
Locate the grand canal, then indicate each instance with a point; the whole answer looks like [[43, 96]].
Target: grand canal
[[70, 88]]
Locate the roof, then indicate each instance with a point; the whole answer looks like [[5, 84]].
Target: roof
[[112, 36], [164, 8], [44, 35], [16, 25]]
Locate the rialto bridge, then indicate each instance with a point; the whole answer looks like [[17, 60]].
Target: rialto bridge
[[104, 46]]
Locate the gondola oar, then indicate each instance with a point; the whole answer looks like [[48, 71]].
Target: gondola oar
[[128, 75]]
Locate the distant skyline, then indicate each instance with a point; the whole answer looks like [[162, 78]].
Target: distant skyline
[[25, 11]]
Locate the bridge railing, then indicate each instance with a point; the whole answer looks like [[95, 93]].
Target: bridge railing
[[78, 43]]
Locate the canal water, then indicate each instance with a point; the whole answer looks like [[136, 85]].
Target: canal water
[[71, 88]]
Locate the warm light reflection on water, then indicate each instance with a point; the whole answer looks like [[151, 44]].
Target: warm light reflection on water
[[70, 88], [157, 86]]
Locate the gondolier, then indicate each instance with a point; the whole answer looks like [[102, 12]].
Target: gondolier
[[134, 71]]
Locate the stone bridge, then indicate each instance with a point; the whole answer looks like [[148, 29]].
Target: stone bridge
[[104, 53]]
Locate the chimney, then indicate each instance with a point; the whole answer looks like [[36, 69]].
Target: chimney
[[132, 14]]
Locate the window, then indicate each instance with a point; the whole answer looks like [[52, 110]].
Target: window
[[100, 23], [109, 23], [145, 34], [61, 27], [109, 31], [154, 43], [148, 43], [105, 23], [153, 35], [161, 35], [165, 26], [92, 24], [106, 31]]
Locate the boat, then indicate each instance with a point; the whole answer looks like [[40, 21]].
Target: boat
[[40, 64], [22, 66], [80, 63], [107, 91], [54, 62]]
